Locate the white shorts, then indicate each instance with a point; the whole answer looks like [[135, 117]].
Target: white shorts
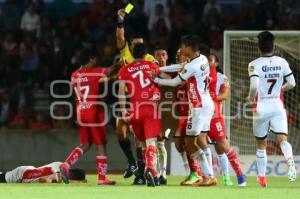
[[16, 175], [199, 120], [274, 122]]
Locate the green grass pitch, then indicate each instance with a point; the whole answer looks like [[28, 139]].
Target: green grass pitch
[[278, 188]]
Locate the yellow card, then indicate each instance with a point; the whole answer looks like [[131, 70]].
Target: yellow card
[[128, 8]]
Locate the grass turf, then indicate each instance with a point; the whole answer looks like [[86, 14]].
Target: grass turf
[[278, 188]]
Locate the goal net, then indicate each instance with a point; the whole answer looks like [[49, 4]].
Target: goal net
[[240, 48]]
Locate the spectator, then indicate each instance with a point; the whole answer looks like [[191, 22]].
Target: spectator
[[21, 119], [39, 123], [6, 109], [30, 21], [160, 14]]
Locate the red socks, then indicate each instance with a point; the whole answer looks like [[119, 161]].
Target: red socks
[[193, 164], [74, 156], [37, 173], [150, 157], [101, 165], [233, 159]]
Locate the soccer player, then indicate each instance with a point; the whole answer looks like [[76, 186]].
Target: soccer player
[[29, 174], [123, 128], [196, 75], [267, 76], [49, 173], [144, 116], [190, 164], [219, 91], [90, 116], [161, 57]]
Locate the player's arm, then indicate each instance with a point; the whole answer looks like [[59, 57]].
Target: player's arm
[[289, 78], [181, 77], [224, 93], [290, 83], [114, 69], [122, 100], [254, 82], [172, 68], [120, 32]]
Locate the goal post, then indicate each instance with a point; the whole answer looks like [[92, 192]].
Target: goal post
[[240, 48]]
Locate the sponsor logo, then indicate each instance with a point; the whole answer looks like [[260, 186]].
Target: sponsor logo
[[270, 68]]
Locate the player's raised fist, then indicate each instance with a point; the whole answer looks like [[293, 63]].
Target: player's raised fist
[[121, 14]]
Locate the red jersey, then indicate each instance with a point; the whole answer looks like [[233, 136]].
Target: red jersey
[[86, 86], [139, 83], [182, 98]]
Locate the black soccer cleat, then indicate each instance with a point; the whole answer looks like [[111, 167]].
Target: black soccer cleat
[[156, 181], [162, 180], [149, 178], [130, 170], [64, 171], [139, 180]]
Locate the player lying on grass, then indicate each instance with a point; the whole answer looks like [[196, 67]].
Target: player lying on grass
[[90, 116], [268, 75], [49, 173], [196, 75], [123, 128]]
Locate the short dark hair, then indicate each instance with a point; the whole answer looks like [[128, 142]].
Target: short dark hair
[[77, 174], [204, 49], [139, 51], [86, 55], [160, 48], [265, 41], [191, 41], [135, 36]]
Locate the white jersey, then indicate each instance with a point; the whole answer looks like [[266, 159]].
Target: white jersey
[[16, 175], [196, 73], [222, 81], [271, 71]]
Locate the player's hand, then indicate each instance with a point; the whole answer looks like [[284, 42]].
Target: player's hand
[[125, 116], [121, 14], [103, 80]]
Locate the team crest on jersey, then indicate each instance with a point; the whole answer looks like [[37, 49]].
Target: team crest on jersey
[[183, 71], [203, 67], [251, 69]]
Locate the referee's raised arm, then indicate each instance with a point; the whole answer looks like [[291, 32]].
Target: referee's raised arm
[[120, 32]]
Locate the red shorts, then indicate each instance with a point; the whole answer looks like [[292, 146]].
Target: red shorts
[[182, 122], [217, 129], [93, 134], [146, 123]]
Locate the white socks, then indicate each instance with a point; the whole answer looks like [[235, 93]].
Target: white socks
[[185, 161], [223, 160], [208, 155], [287, 150], [162, 159], [206, 169], [261, 161]]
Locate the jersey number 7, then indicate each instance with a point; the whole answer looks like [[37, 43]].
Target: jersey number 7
[[272, 82]]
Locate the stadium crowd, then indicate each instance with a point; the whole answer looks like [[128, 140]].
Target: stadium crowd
[[40, 42]]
